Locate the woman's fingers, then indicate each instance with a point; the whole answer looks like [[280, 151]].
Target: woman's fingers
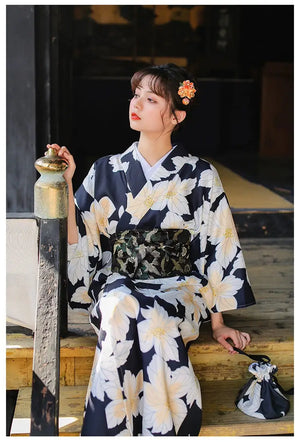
[[225, 344], [227, 337], [64, 153], [61, 151], [241, 339], [53, 145], [245, 337]]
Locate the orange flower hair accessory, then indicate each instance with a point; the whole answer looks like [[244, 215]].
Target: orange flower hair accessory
[[186, 91]]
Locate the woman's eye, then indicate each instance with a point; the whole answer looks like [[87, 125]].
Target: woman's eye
[[151, 100]]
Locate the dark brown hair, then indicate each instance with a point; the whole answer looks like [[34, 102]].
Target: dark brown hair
[[165, 81]]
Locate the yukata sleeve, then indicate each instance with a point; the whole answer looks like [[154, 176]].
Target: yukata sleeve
[[227, 284], [85, 254]]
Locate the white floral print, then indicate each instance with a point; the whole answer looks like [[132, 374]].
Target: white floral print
[[78, 260], [173, 195], [116, 164], [159, 330], [223, 234], [221, 290], [164, 407], [142, 203], [81, 296], [142, 382], [115, 409], [119, 307]]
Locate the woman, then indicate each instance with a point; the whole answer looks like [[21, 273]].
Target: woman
[[153, 252]]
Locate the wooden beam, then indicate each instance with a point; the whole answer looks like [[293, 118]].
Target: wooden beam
[[50, 206], [45, 384]]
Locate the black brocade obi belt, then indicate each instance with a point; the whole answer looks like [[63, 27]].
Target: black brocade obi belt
[[150, 254]]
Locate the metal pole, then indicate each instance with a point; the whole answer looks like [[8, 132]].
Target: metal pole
[[50, 208]]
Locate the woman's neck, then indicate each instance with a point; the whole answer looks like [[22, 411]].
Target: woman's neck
[[153, 149]]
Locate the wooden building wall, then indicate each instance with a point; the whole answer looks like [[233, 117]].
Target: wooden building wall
[[21, 108]]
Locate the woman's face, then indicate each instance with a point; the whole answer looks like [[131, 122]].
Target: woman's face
[[148, 112]]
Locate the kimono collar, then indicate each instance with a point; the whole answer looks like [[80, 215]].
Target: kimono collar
[[133, 168]]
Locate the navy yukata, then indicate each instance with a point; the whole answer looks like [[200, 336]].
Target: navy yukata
[[142, 381]]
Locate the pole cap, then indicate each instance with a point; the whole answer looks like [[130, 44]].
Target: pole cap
[[51, 162]]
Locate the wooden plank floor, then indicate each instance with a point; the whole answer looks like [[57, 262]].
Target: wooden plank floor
[[220, 416], [245, 194]]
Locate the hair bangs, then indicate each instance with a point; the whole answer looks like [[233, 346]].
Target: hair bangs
[[157, 83]]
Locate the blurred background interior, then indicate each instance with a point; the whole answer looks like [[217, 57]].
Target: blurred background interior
[[68, 72]]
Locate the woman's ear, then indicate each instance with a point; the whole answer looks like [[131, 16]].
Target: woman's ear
[[180, 116]]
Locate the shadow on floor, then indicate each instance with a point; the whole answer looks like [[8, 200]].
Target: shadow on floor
[[11, 399]]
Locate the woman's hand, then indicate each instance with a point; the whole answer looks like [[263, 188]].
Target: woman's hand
[[240, 339], [221, 333], [65, 154]]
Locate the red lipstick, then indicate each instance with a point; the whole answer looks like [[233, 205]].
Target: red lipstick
[[135, 116]]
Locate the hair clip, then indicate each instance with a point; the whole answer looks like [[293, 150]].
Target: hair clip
[[186, 91]]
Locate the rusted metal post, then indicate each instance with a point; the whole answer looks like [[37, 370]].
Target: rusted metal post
[[50, 208]]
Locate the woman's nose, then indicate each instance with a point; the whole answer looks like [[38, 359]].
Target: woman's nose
[[138, 103]]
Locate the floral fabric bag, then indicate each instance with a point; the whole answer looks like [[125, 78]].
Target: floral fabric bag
[[262, 396]]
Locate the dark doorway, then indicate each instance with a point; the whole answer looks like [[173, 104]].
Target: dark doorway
[[227, 48]]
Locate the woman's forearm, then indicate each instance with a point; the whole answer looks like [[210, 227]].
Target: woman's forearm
[[221, 333], [72, 226], [216, 320]]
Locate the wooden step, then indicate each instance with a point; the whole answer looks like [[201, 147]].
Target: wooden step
[[209, 359], [220, 416], [76, 359]]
